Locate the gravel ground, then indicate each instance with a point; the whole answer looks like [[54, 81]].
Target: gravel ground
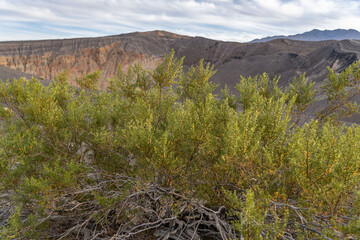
[[8, 73], [5, 209]]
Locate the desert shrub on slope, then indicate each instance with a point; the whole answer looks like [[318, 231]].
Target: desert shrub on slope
[[160, 155]]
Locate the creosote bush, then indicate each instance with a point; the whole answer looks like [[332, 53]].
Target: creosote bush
[[159, 154]]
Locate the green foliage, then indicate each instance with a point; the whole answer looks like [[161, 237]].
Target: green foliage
[[252, 215], [165, 74], [341, 91], [62, 77], [136, 81], [253, 90], [326, 163], [64, 148], [12, 230], [304, 94], [88, 81], [19, 227], [195, 84]]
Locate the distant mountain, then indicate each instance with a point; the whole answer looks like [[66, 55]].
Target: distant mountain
[[317, 35]]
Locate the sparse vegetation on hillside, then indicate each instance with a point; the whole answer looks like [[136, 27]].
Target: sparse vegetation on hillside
[[160, 155]]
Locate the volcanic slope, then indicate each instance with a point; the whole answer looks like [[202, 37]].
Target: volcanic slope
[[8, 73], [284, 57]]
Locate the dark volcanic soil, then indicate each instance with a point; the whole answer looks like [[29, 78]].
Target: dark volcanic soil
[[8, 73]]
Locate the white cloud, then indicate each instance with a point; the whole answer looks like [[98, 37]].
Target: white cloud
[[235, 20]]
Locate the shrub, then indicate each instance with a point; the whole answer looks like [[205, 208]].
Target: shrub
[[159, 153]]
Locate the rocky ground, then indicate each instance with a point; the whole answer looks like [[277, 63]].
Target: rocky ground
[[8, 73]]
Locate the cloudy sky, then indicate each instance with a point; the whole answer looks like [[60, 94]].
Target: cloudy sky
[[229, 20]]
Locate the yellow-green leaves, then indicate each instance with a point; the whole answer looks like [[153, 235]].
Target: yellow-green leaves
[[62, 77], [89, 81], [166, 72], [195, 84], [341, 91], [303, 91], [259, 88], [167, 129], [326, 163]]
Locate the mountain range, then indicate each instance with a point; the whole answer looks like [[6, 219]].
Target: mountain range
[[285, 57], [317, 35]]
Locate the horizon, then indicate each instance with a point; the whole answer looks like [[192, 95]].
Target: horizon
[[225, 20], [49, 39]]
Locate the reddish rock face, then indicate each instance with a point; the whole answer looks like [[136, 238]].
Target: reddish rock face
[[288, 58], [85, 61], [45, 59]]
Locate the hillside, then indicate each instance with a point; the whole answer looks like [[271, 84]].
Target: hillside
[[284, 57]]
